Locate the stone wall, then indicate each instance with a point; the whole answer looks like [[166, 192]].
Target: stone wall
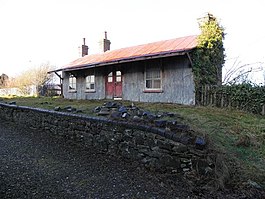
[[157, 149]]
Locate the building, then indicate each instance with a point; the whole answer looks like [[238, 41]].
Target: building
[[153, 72]]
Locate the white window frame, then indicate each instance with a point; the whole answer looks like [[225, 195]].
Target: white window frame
[[89, 82], [152, 78], [72, 83]]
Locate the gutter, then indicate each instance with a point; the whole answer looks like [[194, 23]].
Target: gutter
[[124, 60]]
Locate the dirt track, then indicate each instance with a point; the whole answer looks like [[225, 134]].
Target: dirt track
[[34, 165]]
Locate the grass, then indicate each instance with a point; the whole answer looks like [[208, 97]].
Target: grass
[[240, 136]]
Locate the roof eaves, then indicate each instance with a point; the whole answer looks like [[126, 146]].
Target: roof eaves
[[127, 59]]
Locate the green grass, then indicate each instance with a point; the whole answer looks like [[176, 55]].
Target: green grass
[[239, 135]]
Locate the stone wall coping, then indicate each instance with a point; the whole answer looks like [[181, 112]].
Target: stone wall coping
[[162, 132]]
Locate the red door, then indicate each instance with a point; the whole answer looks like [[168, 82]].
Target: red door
[[114, 85]]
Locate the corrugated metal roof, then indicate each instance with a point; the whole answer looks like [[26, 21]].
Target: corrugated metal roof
[[160, 48]]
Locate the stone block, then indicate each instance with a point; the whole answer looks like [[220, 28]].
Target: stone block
[[181, 127], [139, 140], [169, 161], [200, 143], [12, 103], [180, 148], [116, 115], [125, 115], [97, 109], [103, 113], [57, 108], [168, 134], [111, 104], [160, 123], [164, 145], [137, 118], [123, 109]]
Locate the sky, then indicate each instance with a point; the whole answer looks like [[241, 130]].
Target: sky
[[34, 32]]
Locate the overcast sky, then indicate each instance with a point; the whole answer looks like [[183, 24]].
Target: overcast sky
[[38, 31]]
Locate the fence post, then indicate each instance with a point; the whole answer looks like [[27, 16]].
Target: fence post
[[205, 95]]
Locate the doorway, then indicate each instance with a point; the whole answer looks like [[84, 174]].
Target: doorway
[[114, 85]]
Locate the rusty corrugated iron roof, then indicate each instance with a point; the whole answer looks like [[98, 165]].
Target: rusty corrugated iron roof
[[156, 49]]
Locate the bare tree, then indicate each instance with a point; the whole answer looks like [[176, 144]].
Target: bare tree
[[40, 76], [239, 72], [35, 78]]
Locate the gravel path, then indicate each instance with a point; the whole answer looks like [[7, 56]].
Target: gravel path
[[33, 165]]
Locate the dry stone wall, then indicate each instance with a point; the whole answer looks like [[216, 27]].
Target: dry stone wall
[[155, 148]]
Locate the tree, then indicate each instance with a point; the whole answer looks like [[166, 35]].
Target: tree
[[40, 76], [3, 80], [239, 73], [36, 77], [208, 57]]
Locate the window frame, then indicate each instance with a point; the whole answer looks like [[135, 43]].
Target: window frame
[[152, 89], [90, 83], [72, 85]]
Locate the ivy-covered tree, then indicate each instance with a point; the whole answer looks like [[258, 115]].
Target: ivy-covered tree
[[208, 57]]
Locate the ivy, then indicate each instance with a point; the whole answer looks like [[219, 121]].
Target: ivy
[[245, 96], [208, 57]]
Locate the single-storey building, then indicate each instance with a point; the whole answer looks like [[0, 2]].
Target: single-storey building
[[153, 72]]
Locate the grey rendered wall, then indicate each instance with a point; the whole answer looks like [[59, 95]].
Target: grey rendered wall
[[177, 83], [80, 86]]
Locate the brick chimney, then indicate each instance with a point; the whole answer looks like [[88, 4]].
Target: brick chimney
[[84, 48], [106, 43]]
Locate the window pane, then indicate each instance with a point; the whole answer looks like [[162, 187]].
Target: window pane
[[92, 77], [153, 78], [157, 84], [110, 77], [72, 82], [118, 73], [88, 86], [92, 86], [118, 79], [148, 74], [148, 83], [90, 82], [156, 74], [118, 76]]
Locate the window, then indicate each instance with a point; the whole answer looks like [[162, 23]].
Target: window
[[153, 78], [110, 77], [90, 83], [72, 83], [118, 76]]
